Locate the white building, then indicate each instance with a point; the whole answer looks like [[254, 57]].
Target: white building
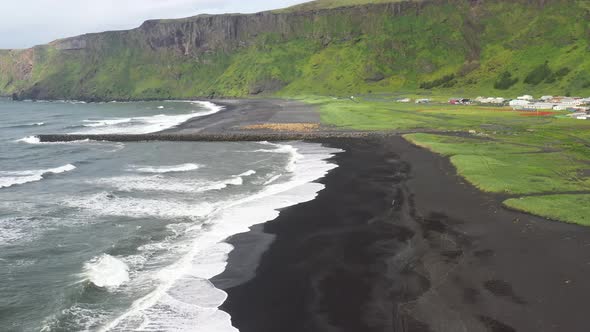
[[525, 97], [519, 103], [541, 106], [490, 100]]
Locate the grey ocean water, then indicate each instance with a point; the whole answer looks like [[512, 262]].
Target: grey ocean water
[[98, 236]]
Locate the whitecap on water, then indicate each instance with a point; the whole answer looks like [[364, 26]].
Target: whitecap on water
[[165, 184], [13, 178], [107, 272], [108, 204], [30, 140], [294, 155], [36, 140], [145, 124], [166, 169]]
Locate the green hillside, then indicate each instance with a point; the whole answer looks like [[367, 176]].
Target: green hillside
[[454, 47]]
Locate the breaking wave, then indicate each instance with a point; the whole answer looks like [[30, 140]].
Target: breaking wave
[[145, 124], [108, 204], [107, 272], [166, 169], [13, 178]]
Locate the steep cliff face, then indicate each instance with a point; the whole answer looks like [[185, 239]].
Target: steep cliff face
[[454, 45]]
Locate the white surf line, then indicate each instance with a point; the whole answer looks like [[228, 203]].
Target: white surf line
[[227, 220]]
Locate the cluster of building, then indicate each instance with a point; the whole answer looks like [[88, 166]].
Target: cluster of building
[[490, 100], [580, 107], [527, 102]]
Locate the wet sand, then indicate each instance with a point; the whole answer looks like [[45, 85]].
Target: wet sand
[[398, 242]]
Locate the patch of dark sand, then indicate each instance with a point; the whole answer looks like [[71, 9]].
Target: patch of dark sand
[[239, 113], [495, 326], [503, 289]]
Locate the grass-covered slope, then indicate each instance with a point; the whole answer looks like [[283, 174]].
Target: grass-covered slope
[[328, 47]]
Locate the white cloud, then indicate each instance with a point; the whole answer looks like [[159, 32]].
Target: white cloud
[[24, 23]]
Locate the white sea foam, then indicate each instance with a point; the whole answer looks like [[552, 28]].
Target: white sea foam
[[145, 124], [83, 316], [11, 232], [272, 179], [106, 204], [164, 184], [104, 123], [13, 178], [36, 140], [248, 173], [294, 156], [184, 299], [36, 124], [166, 169], [159, 183], [107, 272], [30, 140]]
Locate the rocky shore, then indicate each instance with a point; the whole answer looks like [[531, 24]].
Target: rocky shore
[[210, 137]]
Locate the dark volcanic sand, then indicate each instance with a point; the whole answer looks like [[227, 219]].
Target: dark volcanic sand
[[238, 113], [398, 242]]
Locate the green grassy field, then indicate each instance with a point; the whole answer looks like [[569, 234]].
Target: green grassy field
[[568, 208], [542, 163]]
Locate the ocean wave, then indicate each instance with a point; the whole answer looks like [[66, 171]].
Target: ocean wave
[[13, 178], [184, 299], [272, 179], [12, 232], [294, 155], [79, 317], [104, 123], [166, 169], [145, 124], [166, 184], [248, 173], [107, 204], [107, 272], [36, 140], [30, 140], [157, 183], [26, 125]]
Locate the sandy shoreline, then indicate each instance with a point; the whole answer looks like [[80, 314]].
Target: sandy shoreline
[[398, 242]]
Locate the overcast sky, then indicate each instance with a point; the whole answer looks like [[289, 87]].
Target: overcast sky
[[25, 23]]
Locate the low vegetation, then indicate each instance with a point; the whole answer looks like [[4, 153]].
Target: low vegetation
[[568, 208], [505, 81], [531, 160]]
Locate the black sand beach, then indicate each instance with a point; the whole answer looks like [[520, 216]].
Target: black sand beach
[[398, 242]]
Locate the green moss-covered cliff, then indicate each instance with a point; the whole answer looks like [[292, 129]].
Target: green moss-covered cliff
[[497, 47]]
